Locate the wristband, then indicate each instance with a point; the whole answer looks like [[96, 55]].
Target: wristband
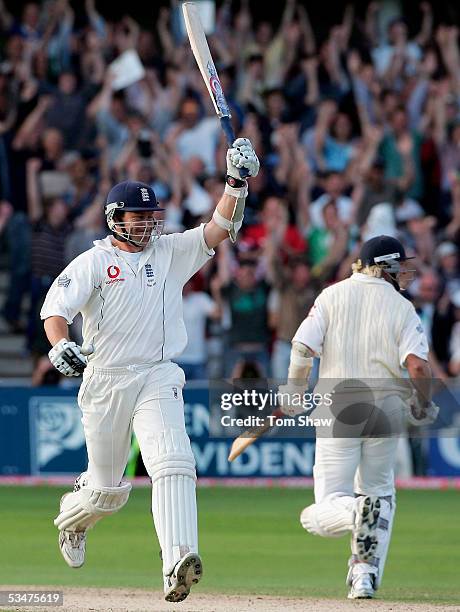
[[235, 182], [237, 192]]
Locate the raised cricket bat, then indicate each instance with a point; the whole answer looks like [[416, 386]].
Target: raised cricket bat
[[241, 443], [203, 57]]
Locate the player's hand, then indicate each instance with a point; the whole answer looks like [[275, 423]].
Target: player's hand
[[242, 155], [69, 358], [290, 398], [421, 413]]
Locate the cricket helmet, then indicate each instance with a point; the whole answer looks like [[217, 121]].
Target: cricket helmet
[[387, 253], [133, 196]]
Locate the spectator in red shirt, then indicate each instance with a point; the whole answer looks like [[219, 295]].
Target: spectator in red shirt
[[274, 219]]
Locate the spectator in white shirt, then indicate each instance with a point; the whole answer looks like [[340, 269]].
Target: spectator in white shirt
[[193, 136], [334, 186], [198, 306]]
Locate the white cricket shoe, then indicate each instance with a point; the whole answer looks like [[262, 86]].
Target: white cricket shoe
[[187, 572], [362, 586], [365, 531], [73, 546]]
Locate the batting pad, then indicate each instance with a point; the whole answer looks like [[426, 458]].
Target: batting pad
[[174, 498], [331, 518], [80, 510], [384, 529]]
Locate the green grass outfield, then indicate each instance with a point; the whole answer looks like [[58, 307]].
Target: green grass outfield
[[250, 539]]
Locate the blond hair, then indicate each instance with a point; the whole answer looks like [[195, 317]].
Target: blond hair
[[358, 266]]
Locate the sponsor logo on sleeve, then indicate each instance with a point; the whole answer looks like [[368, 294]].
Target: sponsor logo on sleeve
[[64, 281]]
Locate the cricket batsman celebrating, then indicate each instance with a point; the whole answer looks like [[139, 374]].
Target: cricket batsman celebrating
[[128, 288], [363, 329]]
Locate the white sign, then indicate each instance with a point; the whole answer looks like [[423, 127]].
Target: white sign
[[127, 69]]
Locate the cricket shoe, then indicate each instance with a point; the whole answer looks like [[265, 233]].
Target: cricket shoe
[[362, 586], [73, 547], [186, 573], [365, 531]]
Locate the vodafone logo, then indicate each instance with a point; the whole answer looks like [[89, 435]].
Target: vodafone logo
[[113, 271]]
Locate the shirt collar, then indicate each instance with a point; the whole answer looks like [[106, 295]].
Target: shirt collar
[[107, 245], [365, 278]]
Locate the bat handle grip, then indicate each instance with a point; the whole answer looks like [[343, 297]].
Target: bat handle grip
[[230, 136], [226, 125]]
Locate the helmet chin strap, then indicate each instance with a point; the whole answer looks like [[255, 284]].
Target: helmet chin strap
[[393, 280], [149, 231], [121, 238]]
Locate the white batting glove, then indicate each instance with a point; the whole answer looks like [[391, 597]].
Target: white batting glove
[[242, 155], [421, 413], [69, 358], [290, 398]]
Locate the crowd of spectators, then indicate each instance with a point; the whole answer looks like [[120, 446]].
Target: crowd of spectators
[[358, 133]]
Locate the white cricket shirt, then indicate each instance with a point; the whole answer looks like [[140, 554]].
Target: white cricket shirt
[[132, 310], [363, 328]]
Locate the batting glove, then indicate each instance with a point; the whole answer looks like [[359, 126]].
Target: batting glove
[[290, 398], [242, 155], [421, 413], [68, 357]]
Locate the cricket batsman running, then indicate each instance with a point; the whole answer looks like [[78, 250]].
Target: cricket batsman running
[[363, 329], [128, 288]]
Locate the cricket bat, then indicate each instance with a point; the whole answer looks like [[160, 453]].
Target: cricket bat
[[203, 58], [241, 443]]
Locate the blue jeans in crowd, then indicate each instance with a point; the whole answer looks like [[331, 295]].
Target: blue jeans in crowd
[[39, 286], [194, 371], [281, 356], [260, 358], [17, 234]]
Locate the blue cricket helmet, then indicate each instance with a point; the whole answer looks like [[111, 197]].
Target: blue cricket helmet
[[133, 196]]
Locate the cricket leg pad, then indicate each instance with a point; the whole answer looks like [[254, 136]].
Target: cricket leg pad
[[81, 509], [331, 518], [172, 470]]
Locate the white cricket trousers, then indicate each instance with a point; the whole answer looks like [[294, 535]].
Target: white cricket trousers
[[354, 465], [149, 401], [349, 467]]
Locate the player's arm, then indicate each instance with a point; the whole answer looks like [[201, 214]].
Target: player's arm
[[66, 356], [422, 409], [214, 233], [420, 374], [227, 218], [300, 365], [306, 344], [414, 352], [66, 297], [56, 328]]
